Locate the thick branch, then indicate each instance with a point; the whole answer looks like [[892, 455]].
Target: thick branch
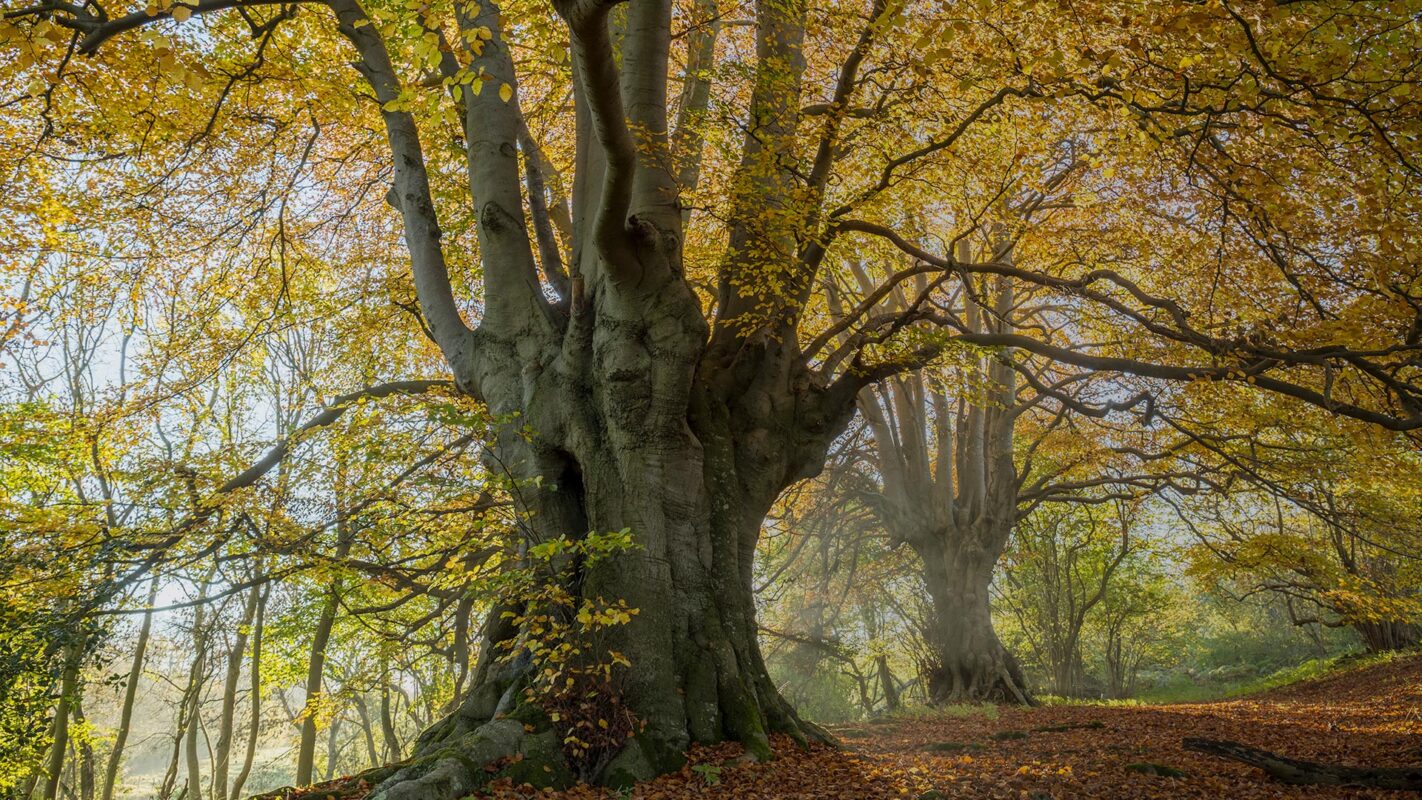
[[1308, 773], [411, 195], [602, 90], [512, 293], [645, 52]]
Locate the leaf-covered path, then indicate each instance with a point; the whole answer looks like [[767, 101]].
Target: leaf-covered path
[[1368, 717]]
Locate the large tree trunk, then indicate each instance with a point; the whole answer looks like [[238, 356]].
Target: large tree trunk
[[970, 663], [1385, 635], [625, 410], [648, 447], [950, 490], [696, 673]]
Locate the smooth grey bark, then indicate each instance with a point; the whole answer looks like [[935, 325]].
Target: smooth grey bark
[[130, 693]]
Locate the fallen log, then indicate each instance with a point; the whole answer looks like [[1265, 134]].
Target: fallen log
[[1305, 773]]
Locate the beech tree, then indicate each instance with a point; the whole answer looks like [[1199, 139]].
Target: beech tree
[[642, 387]]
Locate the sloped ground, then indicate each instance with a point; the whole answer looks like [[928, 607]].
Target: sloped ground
[[1368, 717]]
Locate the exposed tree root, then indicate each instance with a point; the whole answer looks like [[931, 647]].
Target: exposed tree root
[[459, 766], [990, 677], [1308, 773], [459, 756]]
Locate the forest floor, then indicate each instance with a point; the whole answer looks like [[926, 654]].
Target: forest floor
[[1365, 717]]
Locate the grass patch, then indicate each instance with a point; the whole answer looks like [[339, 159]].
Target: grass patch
[[1188, 691], [1312, 669], [1320, 668], [1058, 700]]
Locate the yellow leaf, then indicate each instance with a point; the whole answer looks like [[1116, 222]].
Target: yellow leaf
[[505, 92], [182, 13]]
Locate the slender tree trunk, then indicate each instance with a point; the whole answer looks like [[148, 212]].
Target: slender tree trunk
[[459, 650], [333, 750], [255, 693], [387, 720], [85, 767], [886, 684], [130, 693], [170, 775], [316, 665], [306, 752], [227, 718], [68, 695], [196, 679], [367, 729]]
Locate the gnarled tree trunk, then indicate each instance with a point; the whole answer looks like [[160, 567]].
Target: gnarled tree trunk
[[632, 412], [950, 491], [692, 473], [971, 663], [1389, 634]]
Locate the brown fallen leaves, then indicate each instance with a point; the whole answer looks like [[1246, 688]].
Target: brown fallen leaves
[[1369, 717]]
